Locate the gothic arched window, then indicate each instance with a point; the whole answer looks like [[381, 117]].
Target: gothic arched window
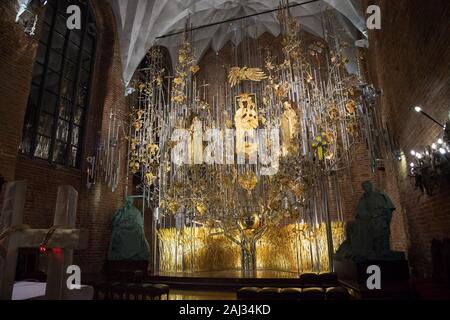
[[58, 101]]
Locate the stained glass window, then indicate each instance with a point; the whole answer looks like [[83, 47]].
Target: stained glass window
[[59, 95]]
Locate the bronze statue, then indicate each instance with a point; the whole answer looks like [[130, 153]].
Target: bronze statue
[[447, 131], [368, 235]]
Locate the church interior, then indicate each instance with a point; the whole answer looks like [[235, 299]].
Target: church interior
[[225, 150]]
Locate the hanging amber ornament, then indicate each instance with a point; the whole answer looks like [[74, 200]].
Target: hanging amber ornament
[[137, 125], [329, 155], [329, 136], [178, 81], [150, 177], [350, 106], [333, 112], [200, 207], [195, 69], [140, 114], [352, 128], [179, 99]]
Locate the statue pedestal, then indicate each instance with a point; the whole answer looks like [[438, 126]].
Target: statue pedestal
[[394, 278], [116, 269]]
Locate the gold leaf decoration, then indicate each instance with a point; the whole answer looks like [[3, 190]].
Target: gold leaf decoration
[[236, 75], [351, 107], [248, 181], [289, 128], [195, 69], [246, 117]]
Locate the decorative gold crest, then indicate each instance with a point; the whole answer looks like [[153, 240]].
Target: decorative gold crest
[[329, 136], [150, 177], [333, 112], [195, 69], [352, 128], [351, 107], [281, 90], [138, 125], [200, 207], [248, 181], [236, 75]]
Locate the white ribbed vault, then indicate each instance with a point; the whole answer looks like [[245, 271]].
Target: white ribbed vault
[[141, 22]]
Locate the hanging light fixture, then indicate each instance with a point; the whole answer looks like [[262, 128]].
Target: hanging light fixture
[[28, 14]]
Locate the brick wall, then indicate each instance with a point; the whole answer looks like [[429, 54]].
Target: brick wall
[[97, 205], [102, 202], [16, 62], [410, 59]]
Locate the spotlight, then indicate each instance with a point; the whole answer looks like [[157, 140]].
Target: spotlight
[[419, 156], [434, 146], [413, 153], [412, 165], [418, 109], [442, 151], [440, 141]]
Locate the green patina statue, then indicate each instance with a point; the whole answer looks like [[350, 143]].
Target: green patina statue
[[128, 240], [369, 234]]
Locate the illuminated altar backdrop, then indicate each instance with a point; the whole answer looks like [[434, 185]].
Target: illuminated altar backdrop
[[227, 216], [293, 248]]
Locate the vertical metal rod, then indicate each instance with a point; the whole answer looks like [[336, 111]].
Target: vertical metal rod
[[328, 223], [127, 165]]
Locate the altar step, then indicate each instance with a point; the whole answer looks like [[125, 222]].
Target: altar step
[[234, 280], [217, 283]]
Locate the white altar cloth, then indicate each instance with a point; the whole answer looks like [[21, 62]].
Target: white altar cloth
[[36, 291]]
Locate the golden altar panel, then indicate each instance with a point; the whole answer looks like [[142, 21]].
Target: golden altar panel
[[295, 248]]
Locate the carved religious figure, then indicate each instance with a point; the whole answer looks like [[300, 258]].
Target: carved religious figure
[[369, 234], [289, 128], [246, 121]]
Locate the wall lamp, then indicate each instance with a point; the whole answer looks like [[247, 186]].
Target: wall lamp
[[419, 109]]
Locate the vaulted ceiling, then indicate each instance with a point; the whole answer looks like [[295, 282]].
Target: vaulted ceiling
[[142, 22]]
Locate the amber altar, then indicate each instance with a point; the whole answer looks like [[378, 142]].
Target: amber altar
[[243, 164], [291, 248]]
